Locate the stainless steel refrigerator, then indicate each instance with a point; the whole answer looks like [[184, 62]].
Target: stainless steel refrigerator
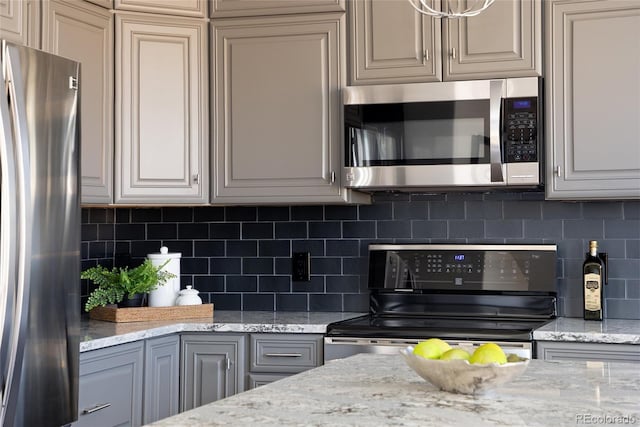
[[39, 238]]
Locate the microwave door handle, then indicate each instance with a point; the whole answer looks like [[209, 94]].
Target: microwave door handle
[[496, 93]]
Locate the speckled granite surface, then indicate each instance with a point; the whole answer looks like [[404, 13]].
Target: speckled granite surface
[[609, 331], [380, 390], [96, 334]]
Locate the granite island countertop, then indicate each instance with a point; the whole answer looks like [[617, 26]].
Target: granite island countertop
[[372, 390], [95, 334], [608, 331]]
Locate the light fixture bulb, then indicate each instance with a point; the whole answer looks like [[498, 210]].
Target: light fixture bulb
[[477, 7]]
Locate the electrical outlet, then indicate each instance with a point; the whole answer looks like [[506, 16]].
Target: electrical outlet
[[301, 267]]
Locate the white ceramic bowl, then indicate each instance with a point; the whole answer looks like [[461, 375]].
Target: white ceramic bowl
[[460, 376]]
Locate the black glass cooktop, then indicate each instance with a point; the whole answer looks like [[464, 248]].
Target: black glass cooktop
[[418, 327]]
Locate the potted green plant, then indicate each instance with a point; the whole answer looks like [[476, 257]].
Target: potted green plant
[[121, 284]]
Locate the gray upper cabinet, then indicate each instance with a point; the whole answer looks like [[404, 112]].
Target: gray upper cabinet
[[161, 138], [20, 22], [392, 43], [276, 112], [110, 386], [503, 41], [235, 8], [195, 8], [103, 3], [161, 378], [213, 367], [84, 32], [592, 94]]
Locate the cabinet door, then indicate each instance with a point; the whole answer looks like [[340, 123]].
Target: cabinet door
[[195, 8], [161, 374], [593, 99], [503, 41], [236, 8], [213, 367], [84, 32], [277, 129], [110, 386], [392, 43], [588, 351], [161, 110], [20, 22]]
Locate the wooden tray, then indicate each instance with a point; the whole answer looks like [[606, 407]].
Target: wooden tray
[[144, 314]]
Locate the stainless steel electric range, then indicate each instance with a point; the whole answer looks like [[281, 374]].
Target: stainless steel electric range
[[464, 294]]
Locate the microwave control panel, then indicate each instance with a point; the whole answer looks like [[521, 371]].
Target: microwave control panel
[[521, 129]]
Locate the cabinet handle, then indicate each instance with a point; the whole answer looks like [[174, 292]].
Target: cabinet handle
[[196, 179], [228, 362], [283, 354], [333, 176], [558, 171], [453, 52], [425, 55], [96, 408]]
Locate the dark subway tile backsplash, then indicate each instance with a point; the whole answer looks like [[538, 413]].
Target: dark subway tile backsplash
[[240, 257]]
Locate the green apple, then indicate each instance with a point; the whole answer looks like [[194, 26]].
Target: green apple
[[455, 353], [488, 353], [432, 348]]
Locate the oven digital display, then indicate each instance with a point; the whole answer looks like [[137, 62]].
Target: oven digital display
[[459, 257]]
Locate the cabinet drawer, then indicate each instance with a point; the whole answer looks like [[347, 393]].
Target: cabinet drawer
[[256, 380], [285, 353], [110, 386]]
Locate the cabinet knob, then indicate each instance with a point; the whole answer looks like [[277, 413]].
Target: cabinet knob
[[196, 179]]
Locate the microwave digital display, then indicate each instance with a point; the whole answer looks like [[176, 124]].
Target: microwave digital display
[[522, 104]]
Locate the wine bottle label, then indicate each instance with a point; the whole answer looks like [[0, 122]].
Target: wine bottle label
[[592, 291]]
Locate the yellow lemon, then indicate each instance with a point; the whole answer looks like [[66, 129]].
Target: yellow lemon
[[432, 348], [488, 353], [455, 353]]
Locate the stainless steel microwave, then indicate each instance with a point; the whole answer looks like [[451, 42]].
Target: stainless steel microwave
[[468, 134]]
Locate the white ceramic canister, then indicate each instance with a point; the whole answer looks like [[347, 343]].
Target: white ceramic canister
[[188, 296], [166, 295]]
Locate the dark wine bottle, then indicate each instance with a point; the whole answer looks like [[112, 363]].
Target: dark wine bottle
[[593, 281]]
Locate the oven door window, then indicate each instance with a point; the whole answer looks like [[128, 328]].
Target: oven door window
[[421, 133]]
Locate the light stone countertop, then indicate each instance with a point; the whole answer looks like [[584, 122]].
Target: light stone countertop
[[374, 390], [609, 331], [95, 334]]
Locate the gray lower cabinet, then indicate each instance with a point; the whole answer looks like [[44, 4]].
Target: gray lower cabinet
[[110, 386], [592, 91], [276, 356], [161, 378], [553, 350], [213, 367]]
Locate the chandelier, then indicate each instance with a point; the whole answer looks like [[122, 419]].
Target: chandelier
[[477, 6]]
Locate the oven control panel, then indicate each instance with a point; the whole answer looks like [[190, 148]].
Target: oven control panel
[[482, 267]]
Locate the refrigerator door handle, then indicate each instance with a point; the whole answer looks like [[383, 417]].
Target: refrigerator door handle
[[15, 274], [8, 249]]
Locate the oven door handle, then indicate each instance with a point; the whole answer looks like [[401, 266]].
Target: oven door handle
[[497, 91]]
